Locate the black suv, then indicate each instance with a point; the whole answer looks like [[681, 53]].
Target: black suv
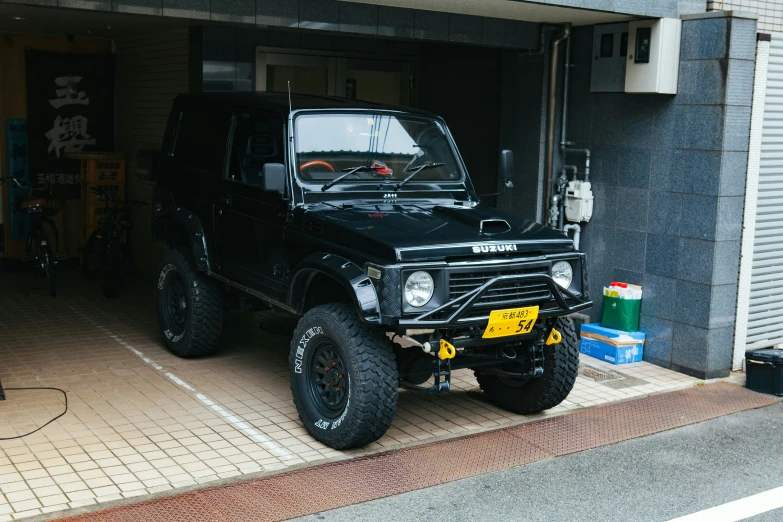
[[360, 220]]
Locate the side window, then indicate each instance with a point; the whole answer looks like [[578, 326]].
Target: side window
[[201, 140], [257, 141]]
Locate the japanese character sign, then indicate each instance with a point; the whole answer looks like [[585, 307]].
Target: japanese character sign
[[70, 110], [69, 94], [69, 134]]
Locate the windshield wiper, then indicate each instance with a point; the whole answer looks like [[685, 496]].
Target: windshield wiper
[[350, 171], [415, 170]]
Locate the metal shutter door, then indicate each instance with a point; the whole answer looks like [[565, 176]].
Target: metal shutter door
[[765, 318]]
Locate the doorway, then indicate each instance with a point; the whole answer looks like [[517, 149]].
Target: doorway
[[387, 81]]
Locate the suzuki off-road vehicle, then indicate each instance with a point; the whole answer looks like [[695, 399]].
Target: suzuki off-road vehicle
[[360, 220]]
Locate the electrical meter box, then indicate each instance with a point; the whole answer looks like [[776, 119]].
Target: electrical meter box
[[653, 56], [610, 52]]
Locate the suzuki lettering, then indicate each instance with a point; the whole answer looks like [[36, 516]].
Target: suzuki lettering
[[494, 248]]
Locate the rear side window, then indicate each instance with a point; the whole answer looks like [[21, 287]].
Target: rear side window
[[200, 141], [257, 141]]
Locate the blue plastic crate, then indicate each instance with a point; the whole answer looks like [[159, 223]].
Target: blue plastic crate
[[614, 346]]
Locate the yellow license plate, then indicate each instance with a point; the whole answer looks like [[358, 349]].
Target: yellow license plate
[[517, 321]]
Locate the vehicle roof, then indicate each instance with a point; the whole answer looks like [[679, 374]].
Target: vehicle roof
[[278, 102]]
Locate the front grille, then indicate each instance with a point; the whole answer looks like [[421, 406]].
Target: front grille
[[460, 283]]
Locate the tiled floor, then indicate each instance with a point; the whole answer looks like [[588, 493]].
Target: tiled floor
[[143, 421]]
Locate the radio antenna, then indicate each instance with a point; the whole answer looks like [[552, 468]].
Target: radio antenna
[[290, 108]]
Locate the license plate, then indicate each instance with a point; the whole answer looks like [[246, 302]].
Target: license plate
[[517, 321]]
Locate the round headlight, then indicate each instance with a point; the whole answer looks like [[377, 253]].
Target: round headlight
[[419, 289], [562, 273]]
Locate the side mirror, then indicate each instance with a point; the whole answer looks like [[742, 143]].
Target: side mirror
[[506, 166], [273, 177]]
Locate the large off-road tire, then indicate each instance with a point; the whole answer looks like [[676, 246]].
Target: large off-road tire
[[353, 402], [190, 307], [561, 366]]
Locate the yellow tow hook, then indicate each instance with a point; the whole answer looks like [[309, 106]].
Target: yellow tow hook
[[447, 350], [555, 337]]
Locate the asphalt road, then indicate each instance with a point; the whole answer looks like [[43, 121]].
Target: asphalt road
[[654, 478]]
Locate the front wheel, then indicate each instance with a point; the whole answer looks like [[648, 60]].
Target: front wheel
[[189, 305], [343, 377], [561, 366]]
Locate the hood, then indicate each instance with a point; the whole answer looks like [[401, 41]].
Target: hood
[[411, 233]]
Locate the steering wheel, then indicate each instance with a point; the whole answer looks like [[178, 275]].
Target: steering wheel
[[314, 163]]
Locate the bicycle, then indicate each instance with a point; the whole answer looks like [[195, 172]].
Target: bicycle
[[107, 249], [39, 241]]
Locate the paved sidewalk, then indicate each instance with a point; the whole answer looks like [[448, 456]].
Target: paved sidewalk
[[348, 483], [142, 421]]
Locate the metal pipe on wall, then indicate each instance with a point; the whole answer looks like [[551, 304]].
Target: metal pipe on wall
[[566, 84], [550, 137]]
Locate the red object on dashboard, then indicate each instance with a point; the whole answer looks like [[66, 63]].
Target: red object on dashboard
[[383, 169]]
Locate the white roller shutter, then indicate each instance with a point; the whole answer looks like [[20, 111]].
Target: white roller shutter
[[765, 306]]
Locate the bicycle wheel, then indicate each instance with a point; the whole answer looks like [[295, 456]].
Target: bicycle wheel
[[48, 260], [114, 274], [52, 236], [94, 253]]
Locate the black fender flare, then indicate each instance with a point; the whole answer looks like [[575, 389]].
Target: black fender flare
[[181, 219], [346, 273]]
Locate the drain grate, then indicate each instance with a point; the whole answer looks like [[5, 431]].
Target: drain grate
[[597, 374]]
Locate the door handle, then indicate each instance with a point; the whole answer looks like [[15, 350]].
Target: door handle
[[225, 201]]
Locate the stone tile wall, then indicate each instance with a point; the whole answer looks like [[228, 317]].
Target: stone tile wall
[[668, 176]]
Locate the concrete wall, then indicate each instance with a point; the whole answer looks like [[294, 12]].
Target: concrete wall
[[668, 178], [651, 8], [334, 15]]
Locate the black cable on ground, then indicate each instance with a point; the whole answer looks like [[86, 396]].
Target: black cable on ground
[[65, 395]]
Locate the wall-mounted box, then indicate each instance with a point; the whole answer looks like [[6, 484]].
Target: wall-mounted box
[[610, 52], [653, 56]]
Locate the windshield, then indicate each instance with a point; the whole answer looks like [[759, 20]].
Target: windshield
[[373, 147]]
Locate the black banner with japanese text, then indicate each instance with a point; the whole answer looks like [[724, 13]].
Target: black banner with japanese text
[[70, 109]]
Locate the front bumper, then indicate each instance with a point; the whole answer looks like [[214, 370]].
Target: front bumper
[[453, 314]]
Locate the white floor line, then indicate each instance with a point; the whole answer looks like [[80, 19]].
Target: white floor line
[[239, 423], [739, 509]]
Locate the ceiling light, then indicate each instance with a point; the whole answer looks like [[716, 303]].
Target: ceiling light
[[18, 18]]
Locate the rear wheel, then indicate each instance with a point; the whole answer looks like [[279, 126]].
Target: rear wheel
[[561, 366], [343, 377], [189, 305], [94, 253], [115, 272]]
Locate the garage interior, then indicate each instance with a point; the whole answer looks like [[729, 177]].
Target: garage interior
[[141, 421]]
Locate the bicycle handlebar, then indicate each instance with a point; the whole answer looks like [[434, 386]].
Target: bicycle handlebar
[[17, 181]]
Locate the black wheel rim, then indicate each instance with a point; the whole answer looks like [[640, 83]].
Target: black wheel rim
[[176, 302], [328, 380]]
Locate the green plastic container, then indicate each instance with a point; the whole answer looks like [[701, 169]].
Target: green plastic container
[[621, 314]]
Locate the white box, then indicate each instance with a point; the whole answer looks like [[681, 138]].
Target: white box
[[660, 71]]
